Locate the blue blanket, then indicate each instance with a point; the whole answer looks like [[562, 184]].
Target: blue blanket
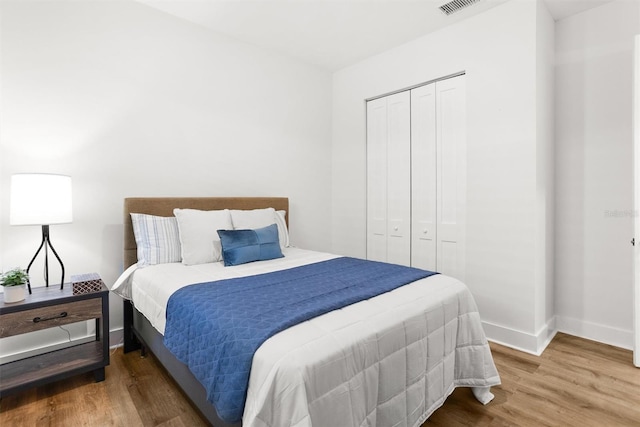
[[216, 327]]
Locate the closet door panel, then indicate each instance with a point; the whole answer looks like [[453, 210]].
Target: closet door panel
[[399, 179], [451, 175], [416, 177], [377, 180], [423, 177]]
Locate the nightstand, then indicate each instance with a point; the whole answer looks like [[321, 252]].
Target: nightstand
[[48, 308]]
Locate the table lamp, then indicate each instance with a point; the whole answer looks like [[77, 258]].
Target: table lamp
[[41, 199]]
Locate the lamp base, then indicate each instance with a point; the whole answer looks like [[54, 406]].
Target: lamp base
[[46, 243]]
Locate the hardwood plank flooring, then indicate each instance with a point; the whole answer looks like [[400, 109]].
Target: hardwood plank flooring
[[575, 382]]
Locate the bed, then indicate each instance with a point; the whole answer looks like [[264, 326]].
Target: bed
[[392, 358]]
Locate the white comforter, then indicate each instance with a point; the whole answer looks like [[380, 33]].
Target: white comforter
[[387, 361]]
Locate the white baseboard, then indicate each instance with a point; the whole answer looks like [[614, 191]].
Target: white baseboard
[[536, 343], [546, 334], [596, 332], [519, 340], [116, 338]]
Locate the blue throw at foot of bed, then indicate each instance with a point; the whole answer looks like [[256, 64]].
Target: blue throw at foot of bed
[[216, 327]]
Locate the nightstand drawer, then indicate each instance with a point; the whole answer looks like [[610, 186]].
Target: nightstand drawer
[[48, 317]]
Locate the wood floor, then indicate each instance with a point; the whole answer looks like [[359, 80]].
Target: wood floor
[[574, 383]]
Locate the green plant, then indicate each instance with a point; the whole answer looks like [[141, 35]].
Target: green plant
[[14, 277]]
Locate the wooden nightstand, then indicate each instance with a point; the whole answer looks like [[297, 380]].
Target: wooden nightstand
[[47, 308]]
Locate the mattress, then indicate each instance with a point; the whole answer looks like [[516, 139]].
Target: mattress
[[390, 360]]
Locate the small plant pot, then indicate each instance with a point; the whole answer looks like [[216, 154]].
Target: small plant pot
[[14, 293]]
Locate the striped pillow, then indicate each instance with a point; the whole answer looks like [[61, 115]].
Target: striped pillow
[[157, 239]]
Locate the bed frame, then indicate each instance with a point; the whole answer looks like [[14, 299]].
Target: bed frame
[[138, 332]]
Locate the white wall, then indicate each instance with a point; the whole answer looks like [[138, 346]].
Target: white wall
[[594, 172], [130, 101], [498, 52]]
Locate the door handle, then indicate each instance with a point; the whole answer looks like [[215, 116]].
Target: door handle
[[633, 241], [55, 316]]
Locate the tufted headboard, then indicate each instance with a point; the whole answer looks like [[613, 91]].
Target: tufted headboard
[[163, 206]]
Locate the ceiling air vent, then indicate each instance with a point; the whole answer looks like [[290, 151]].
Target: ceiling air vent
[[456, 5]]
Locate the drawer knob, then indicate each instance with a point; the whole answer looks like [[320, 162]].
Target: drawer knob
[[56, 316]]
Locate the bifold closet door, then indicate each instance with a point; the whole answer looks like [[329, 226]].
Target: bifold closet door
[[423, 178], [438, 176], [451, 124], [389, 179]]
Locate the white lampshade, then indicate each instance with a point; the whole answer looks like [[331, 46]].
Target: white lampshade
[[40, 199]]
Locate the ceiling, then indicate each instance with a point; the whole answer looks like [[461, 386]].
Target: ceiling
[[333, 34]]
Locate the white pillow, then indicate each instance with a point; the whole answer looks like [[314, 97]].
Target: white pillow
[[157, 239], [199, 234], [283, 232], [259, 218]]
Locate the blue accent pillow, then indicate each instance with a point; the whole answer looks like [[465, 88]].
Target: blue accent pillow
[[243, 246]]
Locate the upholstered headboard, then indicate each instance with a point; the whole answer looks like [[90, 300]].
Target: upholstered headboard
[[163, 206]]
